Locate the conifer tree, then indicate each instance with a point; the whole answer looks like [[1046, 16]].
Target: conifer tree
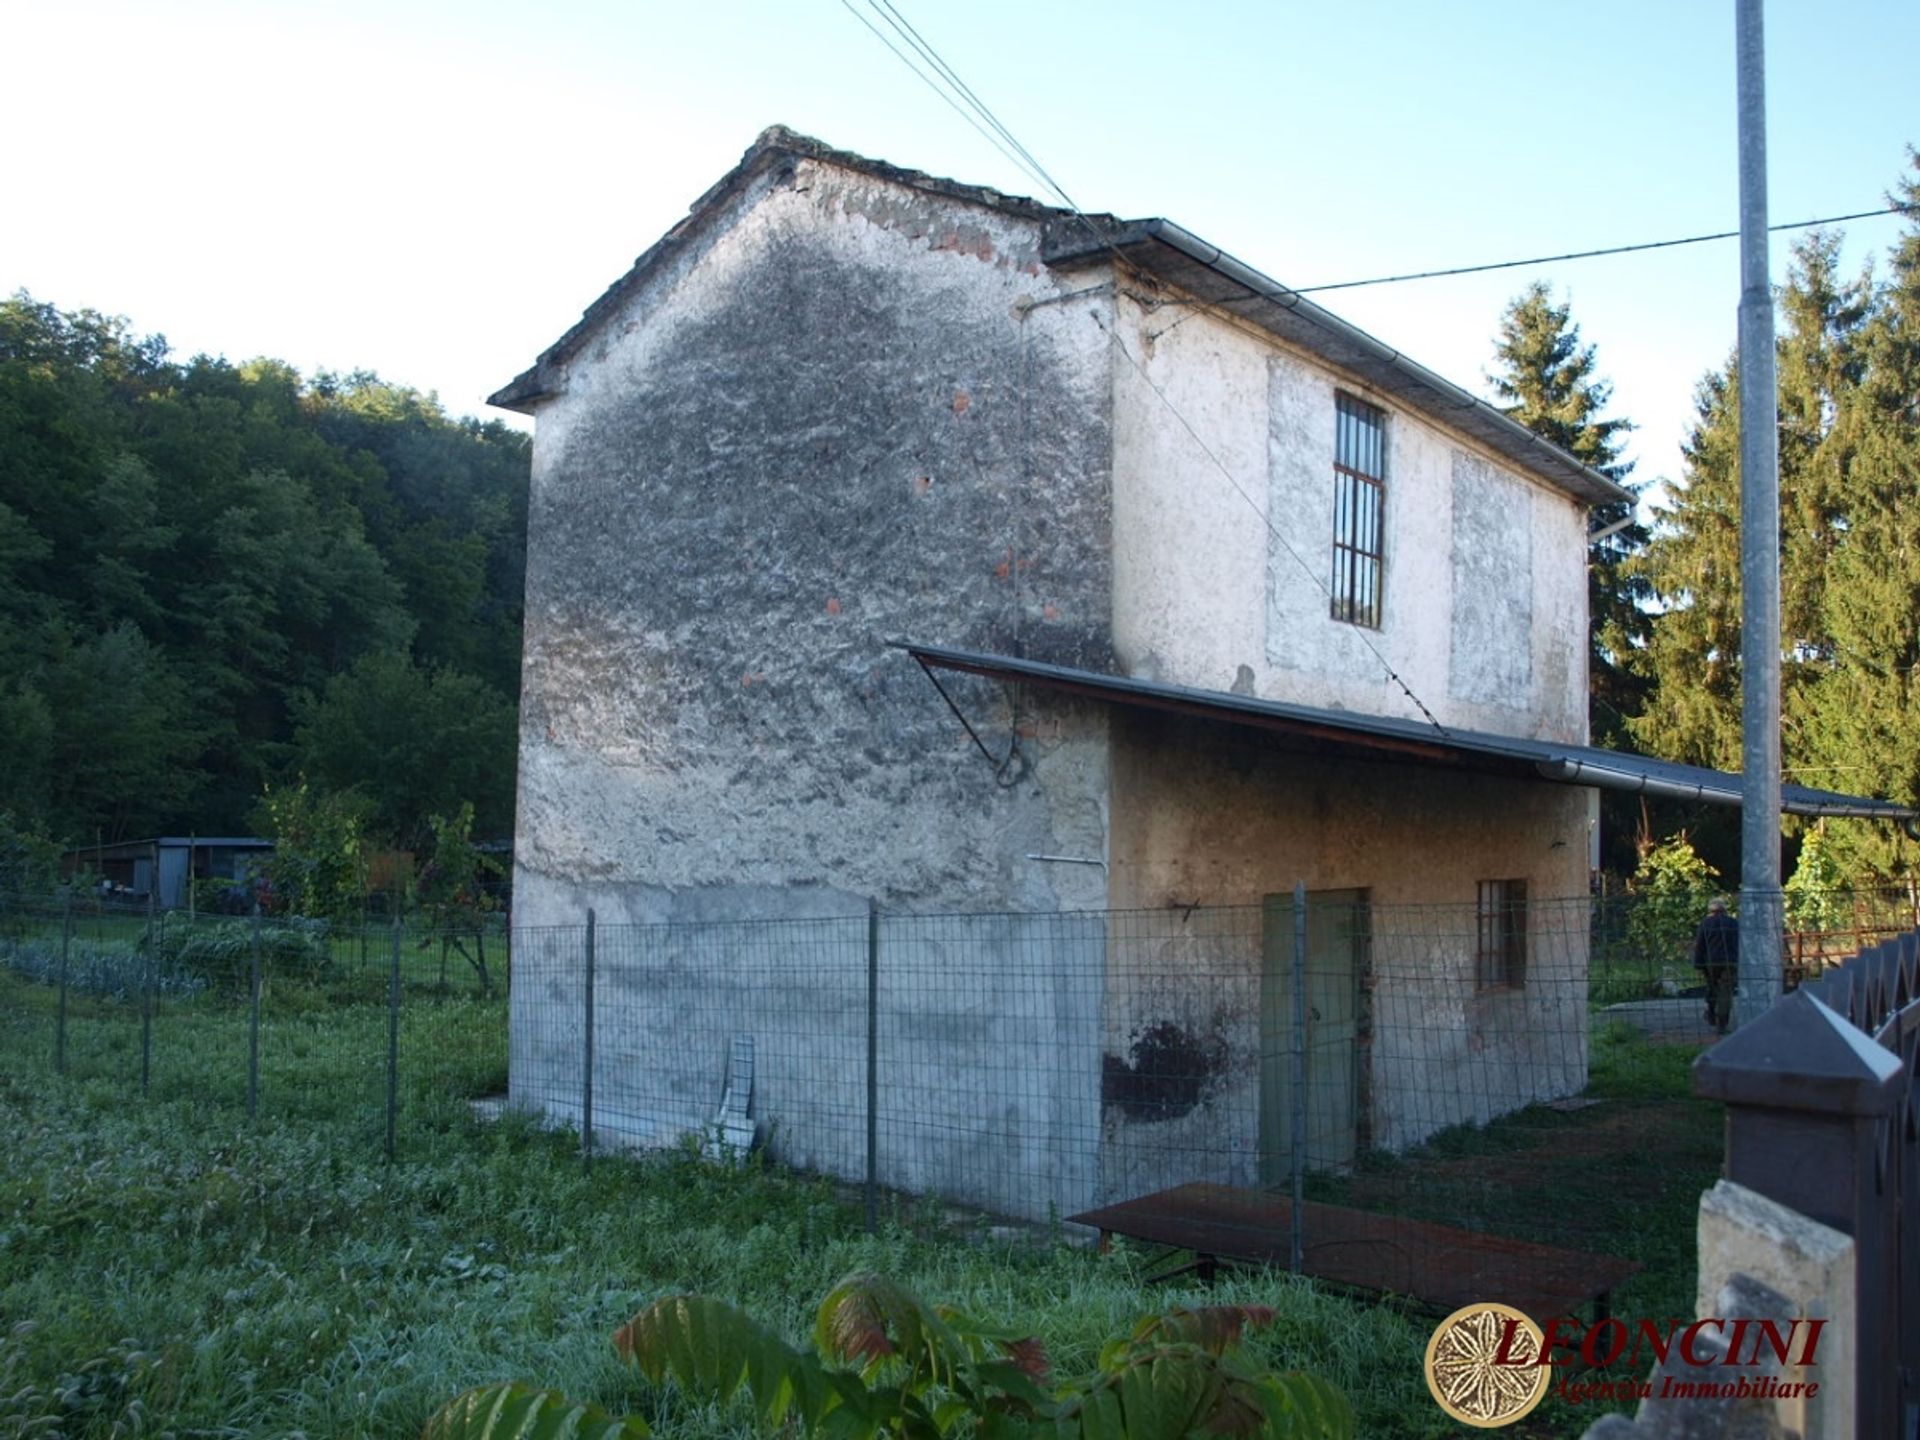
[[1693, 564], [1849, 376], [1693, 712], [1863, 731], [1546, 379]]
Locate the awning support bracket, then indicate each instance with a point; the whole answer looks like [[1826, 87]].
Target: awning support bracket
[[1009, 770]]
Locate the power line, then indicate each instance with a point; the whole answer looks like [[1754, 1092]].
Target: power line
[[933, 85], [904, 28], [1591, 254], [885, 10]]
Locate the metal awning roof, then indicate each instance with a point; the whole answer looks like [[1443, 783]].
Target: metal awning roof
[[1374, 736]]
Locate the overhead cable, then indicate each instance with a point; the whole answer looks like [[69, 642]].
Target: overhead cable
[[1591, 254], [1033, 168]]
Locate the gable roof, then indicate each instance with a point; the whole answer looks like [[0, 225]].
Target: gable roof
[[1152, 246], [775, 149]]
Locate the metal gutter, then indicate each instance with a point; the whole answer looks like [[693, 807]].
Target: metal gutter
[[1809, 802], [1584, 772]]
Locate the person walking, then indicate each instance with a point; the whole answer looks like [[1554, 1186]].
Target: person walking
[[1716, 955]]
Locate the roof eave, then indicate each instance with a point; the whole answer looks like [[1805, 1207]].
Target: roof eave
[[540, 381], [773, 147], [1290, 315], [1718, 787], [523, 393]]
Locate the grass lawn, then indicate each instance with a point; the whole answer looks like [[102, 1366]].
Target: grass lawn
[[1622, 1176], [169, 1260]]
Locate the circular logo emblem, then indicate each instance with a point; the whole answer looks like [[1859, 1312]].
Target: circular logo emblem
[[1470, 1376]]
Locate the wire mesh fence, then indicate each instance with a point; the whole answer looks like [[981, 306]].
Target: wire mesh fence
[[1642, 944], [366, 1026], [1397, 1098]]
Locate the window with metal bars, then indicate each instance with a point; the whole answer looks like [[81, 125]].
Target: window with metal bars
[[1359, 495], [1501, 959]]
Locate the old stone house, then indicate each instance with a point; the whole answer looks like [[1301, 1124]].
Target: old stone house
[[1221, 595]]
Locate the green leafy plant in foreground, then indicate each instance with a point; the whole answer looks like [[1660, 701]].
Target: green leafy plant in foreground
[[527, 1414], [452, 895], [883, 1363]]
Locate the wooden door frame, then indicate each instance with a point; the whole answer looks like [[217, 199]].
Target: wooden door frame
[[1360, 897]]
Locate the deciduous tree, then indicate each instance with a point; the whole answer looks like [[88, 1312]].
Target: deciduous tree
[[227, 539], [415, 742]]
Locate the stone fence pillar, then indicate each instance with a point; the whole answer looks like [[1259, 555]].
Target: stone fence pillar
[[1810, 1125]]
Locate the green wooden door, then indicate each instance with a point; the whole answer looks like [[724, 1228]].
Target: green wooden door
[[1336, 947]]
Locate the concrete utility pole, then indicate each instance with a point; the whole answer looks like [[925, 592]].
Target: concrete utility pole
[[1762, 914]]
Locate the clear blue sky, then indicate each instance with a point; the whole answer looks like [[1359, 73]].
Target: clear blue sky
[[436, 190]]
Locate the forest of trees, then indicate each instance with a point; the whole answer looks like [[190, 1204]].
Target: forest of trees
[[214, 577], [217, 579], [1666, 596]]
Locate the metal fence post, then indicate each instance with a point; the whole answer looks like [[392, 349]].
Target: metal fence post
[[146, 1001], [1298, 1161], [60, 1015], [393, 1035], [873, 1065], [586, 1073], [253, 1021]]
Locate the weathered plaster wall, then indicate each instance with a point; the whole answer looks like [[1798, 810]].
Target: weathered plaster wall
[[1181, 1030], [1485, 584], [839, 421], [1490, 658], [990, 1059], [1206, 814], [988, 1050], [847, 411]]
